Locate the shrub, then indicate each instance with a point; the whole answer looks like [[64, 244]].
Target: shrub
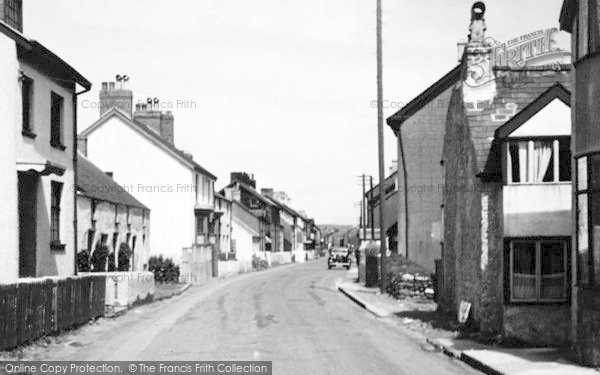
[[259, 263], [99, 257], [165, 271], [124, 257], [111, 262], [83, 261]]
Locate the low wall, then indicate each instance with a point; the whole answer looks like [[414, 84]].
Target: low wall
[[233, 267], [196, 265], [282, 257], [124, 289], [301, 256], [33, 308]]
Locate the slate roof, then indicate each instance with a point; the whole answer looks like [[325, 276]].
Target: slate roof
[[44, 59], [516, 89], [432, 92], [148, 132], [95, 184], [389, 186]]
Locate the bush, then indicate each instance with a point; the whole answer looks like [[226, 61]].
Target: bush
[[124, 257], [83, 261], [99, 257], [259, 263], [111, 262], [165, 271]]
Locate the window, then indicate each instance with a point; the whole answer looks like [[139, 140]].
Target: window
[[56, 191], [13, 13], [103, 238], [538, 270], [588, 219], [539, 161], [90, 240], [115, 241], [56, 120], [27, 99]]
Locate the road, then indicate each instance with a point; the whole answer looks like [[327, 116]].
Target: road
[[291, 315]]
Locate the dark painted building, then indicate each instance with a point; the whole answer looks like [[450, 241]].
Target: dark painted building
[[582, 20]]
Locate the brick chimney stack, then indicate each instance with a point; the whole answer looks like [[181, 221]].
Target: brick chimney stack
[[116, 95], [243, 177], [479, 83], [162, 123], [11, 13]]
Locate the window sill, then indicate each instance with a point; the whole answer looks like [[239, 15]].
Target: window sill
[[57, 246], [537, 303], [58, 146], [29, 134]]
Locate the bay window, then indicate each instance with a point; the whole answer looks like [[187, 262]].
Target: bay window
[[538, 270], [538, 161]]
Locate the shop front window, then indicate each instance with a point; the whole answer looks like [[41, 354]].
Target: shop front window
[[588, 218]]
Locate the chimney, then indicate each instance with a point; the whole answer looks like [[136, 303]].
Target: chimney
[[11, 13], [394, 167], [479, 84], [112, 96], [149, 114], [267, 192], [243, 177]]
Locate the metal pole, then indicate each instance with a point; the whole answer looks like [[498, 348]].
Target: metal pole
[[372, 206], [364, 208], [382, 233]]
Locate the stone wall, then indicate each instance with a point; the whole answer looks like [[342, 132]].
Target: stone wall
[[588, 327], [544, 325]]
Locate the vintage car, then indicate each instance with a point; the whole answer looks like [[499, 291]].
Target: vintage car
[[339, 257]]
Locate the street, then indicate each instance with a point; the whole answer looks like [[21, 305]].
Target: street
[[291, 315]]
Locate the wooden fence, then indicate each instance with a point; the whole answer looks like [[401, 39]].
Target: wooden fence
[[32, 309]]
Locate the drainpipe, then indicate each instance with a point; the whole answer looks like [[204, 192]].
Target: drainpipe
[[76, 94], [405, 183]]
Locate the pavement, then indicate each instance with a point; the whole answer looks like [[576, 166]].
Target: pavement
[[487, 359], [293, 316]]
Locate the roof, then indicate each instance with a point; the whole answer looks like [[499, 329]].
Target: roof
[[567, 13], [556, 91], [95, 184], [252, 191], [287, 208], [145, 130], [241, 222], [516, 90], [42, 58], [415, 105], [221, 196], [389, 181]]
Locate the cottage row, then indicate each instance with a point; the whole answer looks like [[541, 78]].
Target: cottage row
[[120, 184], [494, 190]]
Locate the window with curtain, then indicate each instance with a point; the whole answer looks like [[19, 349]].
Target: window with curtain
[[56, 192], [538, 270], [538, 161]]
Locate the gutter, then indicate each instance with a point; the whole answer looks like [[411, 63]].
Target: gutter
[[405, 183], [75, 95]]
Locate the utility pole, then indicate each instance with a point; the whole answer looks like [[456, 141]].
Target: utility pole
[[382, 232], [372, 209], [364, 209]]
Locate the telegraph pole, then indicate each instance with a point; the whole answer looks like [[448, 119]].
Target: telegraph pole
[[372, 209], [382, 232], [364, 208]]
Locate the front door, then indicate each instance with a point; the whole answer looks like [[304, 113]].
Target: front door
[[27, 224]]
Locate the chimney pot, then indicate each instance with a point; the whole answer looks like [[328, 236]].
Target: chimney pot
[[111, 86], [104, 86]]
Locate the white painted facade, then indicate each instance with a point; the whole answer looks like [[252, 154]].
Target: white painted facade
[[539, 208], [223, 206], [168, 184], [29, 164], [9, 118]]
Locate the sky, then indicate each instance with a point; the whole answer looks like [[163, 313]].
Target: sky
[[281, 89]]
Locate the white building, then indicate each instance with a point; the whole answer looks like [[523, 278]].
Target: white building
[[245, 233], [223, 208], [138, 149], [109, 215], [38, 92]]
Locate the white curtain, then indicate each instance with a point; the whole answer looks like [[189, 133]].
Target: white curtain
[[542, 153], [523, 161]]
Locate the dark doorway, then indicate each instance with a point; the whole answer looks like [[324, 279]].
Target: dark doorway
[[27, 224]]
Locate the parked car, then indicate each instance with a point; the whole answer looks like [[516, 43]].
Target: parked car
[[339, 256]]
